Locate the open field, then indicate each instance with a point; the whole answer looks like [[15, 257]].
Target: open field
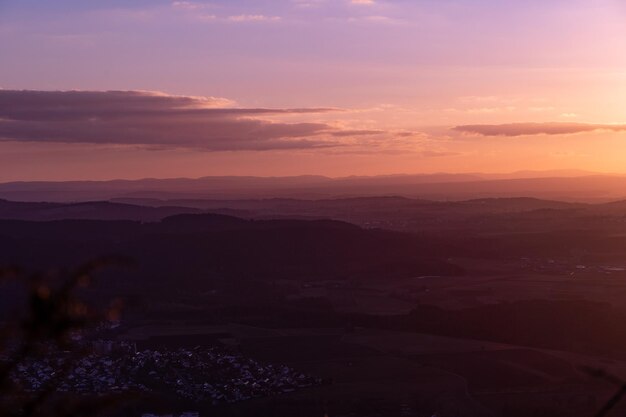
[[407, 374]]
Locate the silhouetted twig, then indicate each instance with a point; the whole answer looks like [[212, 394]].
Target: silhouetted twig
[[616, 398]]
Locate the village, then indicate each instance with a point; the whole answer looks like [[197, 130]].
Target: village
[[199, 374]]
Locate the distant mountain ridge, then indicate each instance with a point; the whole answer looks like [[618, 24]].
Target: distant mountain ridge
[[560, 185]]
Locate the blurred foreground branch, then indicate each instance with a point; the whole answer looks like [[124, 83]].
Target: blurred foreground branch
[[54, 319], [616, 398]]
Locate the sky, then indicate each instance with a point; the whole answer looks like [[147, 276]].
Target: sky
[[156, 88]]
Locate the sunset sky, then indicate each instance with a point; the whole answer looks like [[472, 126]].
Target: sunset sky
[[154, 88]]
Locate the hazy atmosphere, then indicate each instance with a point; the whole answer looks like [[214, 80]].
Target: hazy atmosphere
[[312, 208]]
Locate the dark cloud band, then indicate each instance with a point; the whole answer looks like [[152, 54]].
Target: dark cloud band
[[153, 119], [530, 129]]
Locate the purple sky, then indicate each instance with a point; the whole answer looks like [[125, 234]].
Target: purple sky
[[383, 83]]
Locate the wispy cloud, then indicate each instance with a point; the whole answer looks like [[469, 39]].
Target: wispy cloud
[[253, 18], [200, 10], [531, 129], [189, 5], [308, 4], [375, 19]]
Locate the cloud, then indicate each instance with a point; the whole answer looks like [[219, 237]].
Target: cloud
[[375, 19], [156, 120], [198, 11], [253, 18], [189, 5], [308, 4], [342, 133], [529, 129], [438, 154]]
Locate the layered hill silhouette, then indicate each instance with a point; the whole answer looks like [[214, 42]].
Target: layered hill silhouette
[[205, 249], [493, 215], [150, 210], [94, 210]]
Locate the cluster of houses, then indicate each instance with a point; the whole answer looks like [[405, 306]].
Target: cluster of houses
[[212, 375], [570, 266], [201, 374], [87, 375]]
